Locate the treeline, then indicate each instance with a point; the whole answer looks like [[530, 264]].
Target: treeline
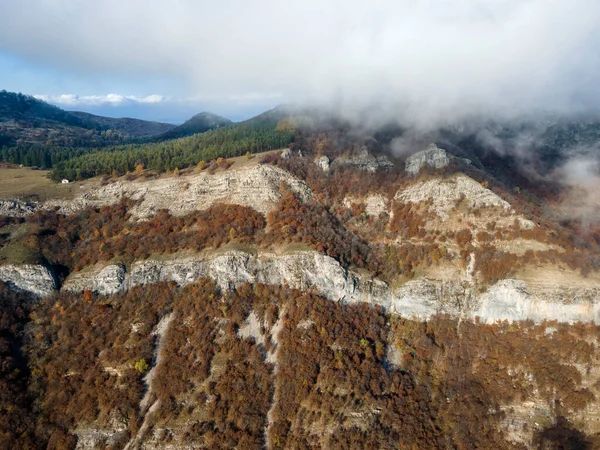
[[43, 156], [179, 153]]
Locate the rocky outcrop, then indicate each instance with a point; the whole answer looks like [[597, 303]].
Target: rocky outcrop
[[302, 270], [513, 300], [432, 156], [364, 161], [446, 195], [32, 278], [509, 300], [443, 193], [323, 163], [16, 208], [101, 279], [375, 204], [256, 187]]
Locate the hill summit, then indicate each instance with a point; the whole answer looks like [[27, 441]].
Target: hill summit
[[199, 123]]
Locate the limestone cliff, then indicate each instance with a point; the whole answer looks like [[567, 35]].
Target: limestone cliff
[[35, 279], [444, 194], [511, 300], [432, 156], [375, 204], [302, 270]]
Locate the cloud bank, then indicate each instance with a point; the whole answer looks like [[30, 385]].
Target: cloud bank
[[73, 100], [419, 60]]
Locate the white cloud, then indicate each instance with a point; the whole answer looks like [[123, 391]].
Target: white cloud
[[72, 100], [421, 60]]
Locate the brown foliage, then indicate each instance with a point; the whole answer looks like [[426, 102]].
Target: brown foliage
[[407, 221], [493, 265], [100, 234]]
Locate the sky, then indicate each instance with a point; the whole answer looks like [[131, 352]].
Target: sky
[[422, 61]]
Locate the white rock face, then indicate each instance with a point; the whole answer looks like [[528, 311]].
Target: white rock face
[[104, 280], [424, 298], [35, 279], [526, 224], [432, 156], [256, 187], [374, 204], [419, 299], [323, 163], [445, 192], [302, 270], [513, 300]]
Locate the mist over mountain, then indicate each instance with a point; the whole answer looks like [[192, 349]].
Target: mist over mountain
[[414, 62]]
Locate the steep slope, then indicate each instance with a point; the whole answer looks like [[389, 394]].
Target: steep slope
[[263, 367], [460, 245], [198, 124]]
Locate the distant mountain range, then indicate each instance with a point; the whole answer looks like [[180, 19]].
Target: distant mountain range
[[136, 128], [25, 120]]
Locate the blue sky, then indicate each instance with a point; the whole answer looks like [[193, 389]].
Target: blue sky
[[151, 97], [423, 61]]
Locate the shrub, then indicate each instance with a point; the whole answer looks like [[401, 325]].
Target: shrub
[[142, 366]]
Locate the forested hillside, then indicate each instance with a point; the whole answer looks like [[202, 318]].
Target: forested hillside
[[21, 107], [269, 367], [75, 161], [134, 128], [251, 136]]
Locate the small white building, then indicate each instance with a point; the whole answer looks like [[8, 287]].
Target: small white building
[[64, 181]]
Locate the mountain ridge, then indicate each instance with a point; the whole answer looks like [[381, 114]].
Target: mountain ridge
[[27, 120], [133, 127]]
